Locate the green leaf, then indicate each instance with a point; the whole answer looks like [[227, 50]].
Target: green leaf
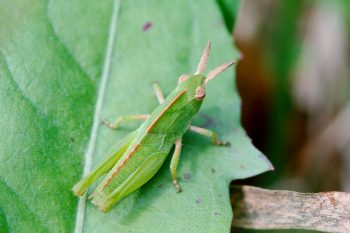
[[65, 67], [229, 10]]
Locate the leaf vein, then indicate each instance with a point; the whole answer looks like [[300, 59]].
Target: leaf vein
[[21, 92], [66, 50], [18, 197], [98, 109]]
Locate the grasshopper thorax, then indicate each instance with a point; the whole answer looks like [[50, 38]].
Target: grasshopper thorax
[[193, 85]]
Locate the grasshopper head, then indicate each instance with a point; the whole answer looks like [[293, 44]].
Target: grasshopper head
[[194, 84]]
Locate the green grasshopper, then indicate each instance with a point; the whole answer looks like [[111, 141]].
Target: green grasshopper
[[136, 158]]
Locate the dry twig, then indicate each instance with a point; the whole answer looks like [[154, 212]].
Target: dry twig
[[258, 208]]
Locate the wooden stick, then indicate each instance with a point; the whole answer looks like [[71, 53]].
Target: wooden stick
[[257, 208]]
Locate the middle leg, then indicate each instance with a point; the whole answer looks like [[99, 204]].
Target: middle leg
[[174, 162], [157, 91], [208, 133], [125, 118]]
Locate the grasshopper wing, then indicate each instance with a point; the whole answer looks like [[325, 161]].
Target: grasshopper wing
[[115, 154], [105, 200]]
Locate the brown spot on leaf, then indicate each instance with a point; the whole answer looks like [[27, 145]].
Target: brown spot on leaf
[[187, 176], [242, 166], [160, 186], [147, 26], [198, 200]]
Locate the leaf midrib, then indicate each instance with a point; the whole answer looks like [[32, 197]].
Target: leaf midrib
[[98, 107]]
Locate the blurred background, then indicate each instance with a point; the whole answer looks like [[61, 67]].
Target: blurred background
[[294, 84], [294, 81]]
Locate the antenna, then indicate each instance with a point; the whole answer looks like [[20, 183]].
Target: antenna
[[212, 74], [204, 59]]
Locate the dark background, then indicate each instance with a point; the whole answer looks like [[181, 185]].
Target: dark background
[[294, 83]]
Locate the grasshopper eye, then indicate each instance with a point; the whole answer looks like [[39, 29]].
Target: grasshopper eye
[[183, 78], [200, 93]]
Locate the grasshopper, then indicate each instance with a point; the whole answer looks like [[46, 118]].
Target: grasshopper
[[136, 158]]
